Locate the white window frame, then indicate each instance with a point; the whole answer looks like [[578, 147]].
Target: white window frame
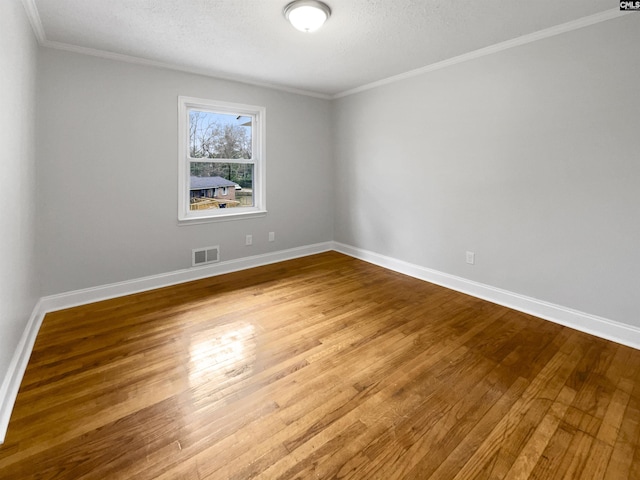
[[258, 152]]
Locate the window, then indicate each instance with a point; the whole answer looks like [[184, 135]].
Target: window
[[221, 160]]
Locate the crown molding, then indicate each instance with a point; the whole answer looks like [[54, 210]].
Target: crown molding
[[490, 50], [36, 24], [180, 68], [34, 19]]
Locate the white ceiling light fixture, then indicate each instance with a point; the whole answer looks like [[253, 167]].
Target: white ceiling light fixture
[[307, 15]]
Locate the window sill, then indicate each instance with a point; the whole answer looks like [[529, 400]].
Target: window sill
[[222, 218]]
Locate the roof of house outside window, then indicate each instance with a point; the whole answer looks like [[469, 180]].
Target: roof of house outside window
[[199, 183]]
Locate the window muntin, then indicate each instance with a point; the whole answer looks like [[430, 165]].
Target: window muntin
[[221, 160]]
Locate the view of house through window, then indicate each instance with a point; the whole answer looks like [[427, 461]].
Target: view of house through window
[[220, 184], [221, 161]]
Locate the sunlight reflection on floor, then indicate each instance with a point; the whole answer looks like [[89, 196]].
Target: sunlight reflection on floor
[[221, 353]]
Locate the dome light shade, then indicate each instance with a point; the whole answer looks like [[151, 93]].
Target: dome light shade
[[307, 15]]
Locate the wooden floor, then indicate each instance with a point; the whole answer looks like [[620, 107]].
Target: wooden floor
[[319, 368]]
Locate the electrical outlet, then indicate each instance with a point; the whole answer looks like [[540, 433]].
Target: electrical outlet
[[471, 258], [249, 240], [272, 236]]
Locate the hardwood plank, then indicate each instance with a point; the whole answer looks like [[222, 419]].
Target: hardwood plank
[[546, 385], [595, 466], [622, 460], [532, 451], [320, 367]]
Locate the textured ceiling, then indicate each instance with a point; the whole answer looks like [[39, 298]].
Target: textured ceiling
[[364, 41]]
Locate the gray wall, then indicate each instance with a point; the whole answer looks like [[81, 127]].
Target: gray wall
[[529, 157], [107, 172], [18, 283]]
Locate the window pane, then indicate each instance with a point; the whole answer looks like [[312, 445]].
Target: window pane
[[220, 185], [219, 135]]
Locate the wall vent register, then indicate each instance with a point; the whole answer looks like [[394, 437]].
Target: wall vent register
[[203, 256]]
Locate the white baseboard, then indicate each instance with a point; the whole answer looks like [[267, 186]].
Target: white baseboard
[[13, 378], [60, 301], [584, 322], [17, 367], [581, 321]]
